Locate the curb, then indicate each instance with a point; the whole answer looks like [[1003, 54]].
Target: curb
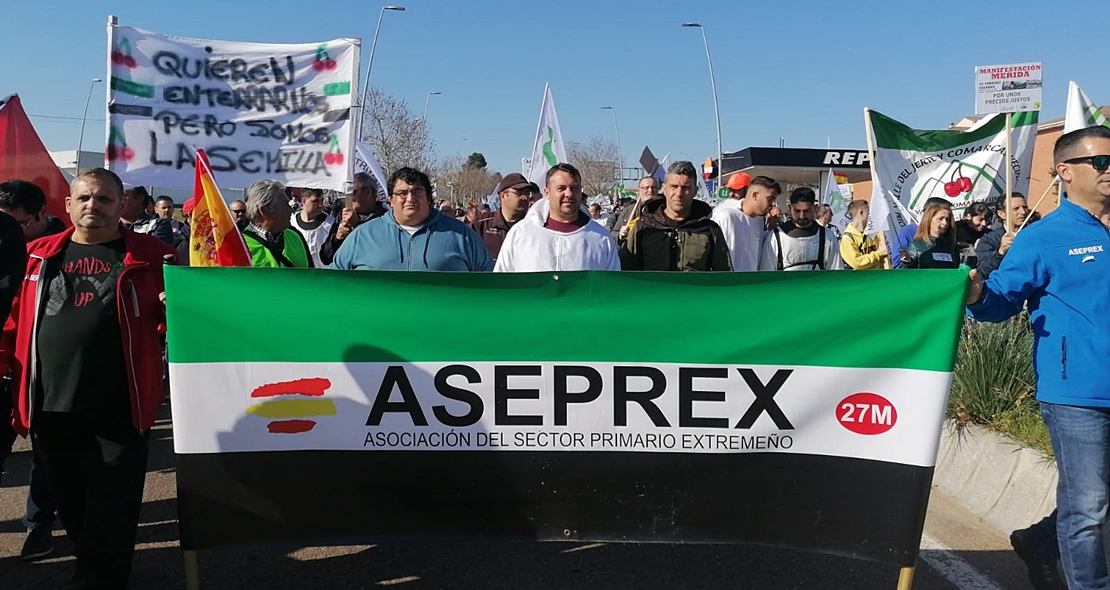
[[995, 478]]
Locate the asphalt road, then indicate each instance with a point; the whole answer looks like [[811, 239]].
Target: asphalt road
[[959, 553]]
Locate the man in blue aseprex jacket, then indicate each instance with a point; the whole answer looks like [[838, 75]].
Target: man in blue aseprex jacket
[[1060, 267]]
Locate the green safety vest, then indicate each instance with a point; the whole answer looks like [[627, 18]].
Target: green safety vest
[[294, 251]]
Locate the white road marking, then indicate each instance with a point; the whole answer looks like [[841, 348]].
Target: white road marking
[[961, 573], [584, 547]]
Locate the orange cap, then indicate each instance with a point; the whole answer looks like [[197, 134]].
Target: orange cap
[[738, 181]]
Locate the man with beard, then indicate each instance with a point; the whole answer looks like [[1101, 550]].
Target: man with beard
[[675, 233], [87, 403], [557, 234], [801, 243]]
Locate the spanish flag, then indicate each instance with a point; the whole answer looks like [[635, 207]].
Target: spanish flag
[[214, 240]]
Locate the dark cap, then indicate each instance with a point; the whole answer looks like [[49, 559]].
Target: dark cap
[[514, 181]]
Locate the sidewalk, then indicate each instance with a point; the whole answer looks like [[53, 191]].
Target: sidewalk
[[995, 478]]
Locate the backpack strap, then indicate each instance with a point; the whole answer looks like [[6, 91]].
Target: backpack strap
[[821, 249], [778, 242]]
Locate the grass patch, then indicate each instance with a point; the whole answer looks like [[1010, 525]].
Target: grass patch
[[993, 383]]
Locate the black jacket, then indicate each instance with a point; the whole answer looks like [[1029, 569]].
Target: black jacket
[[986, 252], [658, 242]]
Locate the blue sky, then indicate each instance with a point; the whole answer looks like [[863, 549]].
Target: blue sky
[[802, 70]]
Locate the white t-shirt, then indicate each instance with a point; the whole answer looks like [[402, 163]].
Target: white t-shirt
[[411, 229], [744, 234]]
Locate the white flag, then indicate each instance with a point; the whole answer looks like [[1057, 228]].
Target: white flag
[[835, 199], [367, 163], [878, 219], [661, 170], [1081, 112], [549, 148], [962, 167]]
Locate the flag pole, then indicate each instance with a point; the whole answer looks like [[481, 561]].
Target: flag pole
[[1035, 205], [905, 578], [874, 178], [1009, 174]]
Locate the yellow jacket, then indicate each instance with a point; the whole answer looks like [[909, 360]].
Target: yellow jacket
[[859, 251]]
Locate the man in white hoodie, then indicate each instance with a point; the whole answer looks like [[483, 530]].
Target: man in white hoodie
[[743, 218], [557, 233]]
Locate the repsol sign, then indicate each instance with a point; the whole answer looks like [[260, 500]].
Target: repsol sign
[[460, 395]]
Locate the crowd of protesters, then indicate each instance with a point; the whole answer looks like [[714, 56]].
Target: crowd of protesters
[[82, 347]]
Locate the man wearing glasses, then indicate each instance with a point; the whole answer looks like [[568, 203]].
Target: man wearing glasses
[[25, 202], [515, 193], [362, 206], [412, 235], [1060, 268]]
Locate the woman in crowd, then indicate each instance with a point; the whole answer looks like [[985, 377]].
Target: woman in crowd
[[934, 245], [974, 224]]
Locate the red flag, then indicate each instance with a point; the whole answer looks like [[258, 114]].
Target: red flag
[[215, 241], [24, 157]]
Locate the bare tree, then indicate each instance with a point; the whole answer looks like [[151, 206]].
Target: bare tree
[[396, 136], [458, 180], [597, 161]]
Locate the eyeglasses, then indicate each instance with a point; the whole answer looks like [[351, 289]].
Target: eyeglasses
[[238, 211], [1099, 163], [416, 193]]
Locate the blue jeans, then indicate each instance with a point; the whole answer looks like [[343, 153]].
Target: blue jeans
[[1081, 441], [40, 506]]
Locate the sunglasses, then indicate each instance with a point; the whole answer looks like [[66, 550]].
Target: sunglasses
[[238, 211], [1099, 163]]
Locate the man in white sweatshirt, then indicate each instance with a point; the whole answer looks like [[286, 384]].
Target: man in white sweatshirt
[[801, 243], [557, 234], [742, 217]]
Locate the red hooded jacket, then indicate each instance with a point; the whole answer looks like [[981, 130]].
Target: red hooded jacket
[[141, 320]]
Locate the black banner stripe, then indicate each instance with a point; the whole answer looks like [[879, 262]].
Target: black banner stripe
[[852, 507], [130, 109]]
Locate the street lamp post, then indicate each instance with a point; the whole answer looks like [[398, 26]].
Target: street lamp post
[[459, 143], [716, 108], [620, 152], [84, 117], [426, 101], [373, 46]]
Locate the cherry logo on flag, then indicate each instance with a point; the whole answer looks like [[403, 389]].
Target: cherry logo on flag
[[866, 413], [121, 55], [297, 401], [334, 156], [958, 184], [117, 146], [323, 62]]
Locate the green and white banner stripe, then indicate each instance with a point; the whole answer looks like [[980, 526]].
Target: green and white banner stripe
[[278, 360]]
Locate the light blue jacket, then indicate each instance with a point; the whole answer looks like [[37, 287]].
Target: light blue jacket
[[1061, 266], [441, 243]]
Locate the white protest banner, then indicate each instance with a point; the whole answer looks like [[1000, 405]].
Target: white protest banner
[[260, 111], [366, 163], [1007, 88]]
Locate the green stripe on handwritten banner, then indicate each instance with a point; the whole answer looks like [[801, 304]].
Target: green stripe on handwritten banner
[[132, 88], [872, 319], [337, 89]]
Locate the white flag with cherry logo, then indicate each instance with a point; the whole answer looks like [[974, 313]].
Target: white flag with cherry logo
[[960, 166]]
